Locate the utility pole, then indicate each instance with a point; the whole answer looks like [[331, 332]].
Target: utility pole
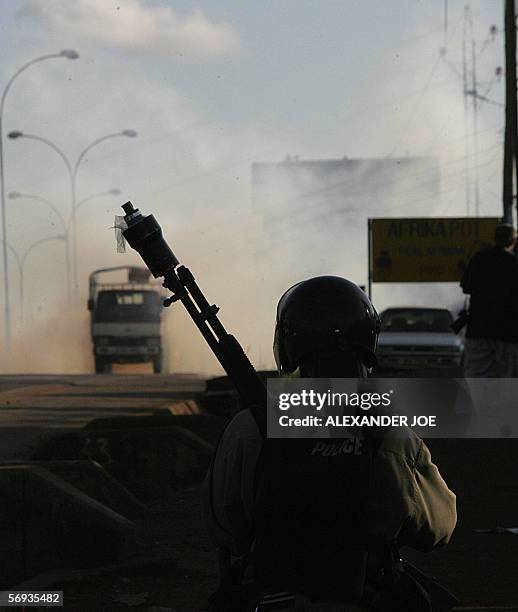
[[470, 87], [474, 93], [465, 95], [445, 22], [511, 124]]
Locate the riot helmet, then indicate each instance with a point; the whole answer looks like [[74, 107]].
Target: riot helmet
[[326, 317]]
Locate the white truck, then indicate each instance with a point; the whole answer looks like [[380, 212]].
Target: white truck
[[125, 316]]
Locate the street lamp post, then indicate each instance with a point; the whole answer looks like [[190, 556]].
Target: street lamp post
[[28, 251], [20, 271], [72, 170], [27, 196], [75, 206], [94, 196], [14, 195], [68, 54], [21, 260]]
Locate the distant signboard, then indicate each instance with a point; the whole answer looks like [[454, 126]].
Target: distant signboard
[[425, 250]]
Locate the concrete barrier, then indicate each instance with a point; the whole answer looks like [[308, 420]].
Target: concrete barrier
[[46, 523], [147, 455], [93, 479]]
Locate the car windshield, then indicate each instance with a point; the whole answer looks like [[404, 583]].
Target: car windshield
[[416, 320], [127, 306]]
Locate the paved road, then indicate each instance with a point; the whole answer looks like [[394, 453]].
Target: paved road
[[74, 400], [480, 568]]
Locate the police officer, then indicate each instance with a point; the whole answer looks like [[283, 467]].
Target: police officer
[[491, 280], [324, 526]]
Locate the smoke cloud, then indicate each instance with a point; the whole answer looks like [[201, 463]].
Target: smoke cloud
[[130, 25], [191, 164]]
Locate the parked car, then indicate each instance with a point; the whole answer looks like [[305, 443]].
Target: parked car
[[415, 337]]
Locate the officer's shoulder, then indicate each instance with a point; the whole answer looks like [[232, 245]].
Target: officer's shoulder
[[406, 448], [243, 424]]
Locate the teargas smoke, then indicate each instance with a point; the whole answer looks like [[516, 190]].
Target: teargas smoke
[[248, 215]]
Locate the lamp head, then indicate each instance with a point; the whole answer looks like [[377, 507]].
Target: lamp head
[[15, 134], [69, 54], [129, 133]]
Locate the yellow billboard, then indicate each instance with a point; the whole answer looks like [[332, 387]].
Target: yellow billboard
[[425, 250]]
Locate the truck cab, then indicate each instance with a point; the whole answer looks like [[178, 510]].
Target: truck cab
[[125, 317]]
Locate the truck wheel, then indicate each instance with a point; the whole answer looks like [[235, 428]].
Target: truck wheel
[[102, 366], [157, 365]]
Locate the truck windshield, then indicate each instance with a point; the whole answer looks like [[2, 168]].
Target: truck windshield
[[125, 306]]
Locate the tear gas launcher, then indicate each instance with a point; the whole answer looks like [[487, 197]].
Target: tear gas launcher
[[144, 234]]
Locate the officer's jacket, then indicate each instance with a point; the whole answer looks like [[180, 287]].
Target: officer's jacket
[[409, 501]]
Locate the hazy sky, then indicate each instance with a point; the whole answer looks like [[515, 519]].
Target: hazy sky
[[213, 86]]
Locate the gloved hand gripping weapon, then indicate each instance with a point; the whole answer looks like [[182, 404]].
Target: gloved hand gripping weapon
[[144, 235]]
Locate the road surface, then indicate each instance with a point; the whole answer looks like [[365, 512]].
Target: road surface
[[73, 400], [479, 567]]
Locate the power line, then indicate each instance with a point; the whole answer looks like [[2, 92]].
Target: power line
[[416, 105]]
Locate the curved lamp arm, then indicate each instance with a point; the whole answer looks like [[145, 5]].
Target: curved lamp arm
[[126, 133], [38, 242]]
